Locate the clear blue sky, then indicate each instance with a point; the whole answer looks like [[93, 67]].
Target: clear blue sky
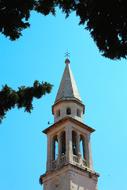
[[102, 83]]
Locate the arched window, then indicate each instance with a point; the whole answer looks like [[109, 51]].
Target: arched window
[[74, 142], [63, 143], [58, 113], [82, 147], [55, 148], [68, 111], [78, 112]]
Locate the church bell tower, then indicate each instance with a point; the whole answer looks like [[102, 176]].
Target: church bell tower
[[69, 158]]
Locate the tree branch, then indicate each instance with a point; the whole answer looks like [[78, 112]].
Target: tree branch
[[22, 98]]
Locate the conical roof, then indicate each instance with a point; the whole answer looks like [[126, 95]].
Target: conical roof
[[68, 89]]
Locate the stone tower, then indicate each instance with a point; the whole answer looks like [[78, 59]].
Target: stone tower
[[69, 159]]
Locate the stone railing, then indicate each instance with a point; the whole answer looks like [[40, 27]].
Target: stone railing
[[84, 162], [62, 160], [59, 162], [54, 164], [75, 159]]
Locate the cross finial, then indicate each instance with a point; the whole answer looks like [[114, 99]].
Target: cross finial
[[67, 55]]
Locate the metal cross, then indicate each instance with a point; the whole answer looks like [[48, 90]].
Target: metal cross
[[67, 54]]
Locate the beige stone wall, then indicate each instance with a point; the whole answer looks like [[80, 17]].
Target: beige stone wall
[[82, 182], [57, 180], [63, 106], [69, 178]]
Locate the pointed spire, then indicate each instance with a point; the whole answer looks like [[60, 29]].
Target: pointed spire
[[68, 89]]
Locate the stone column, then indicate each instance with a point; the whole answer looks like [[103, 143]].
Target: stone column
[[49, 152], [69, 154], [52, 149], [59, 144], [90, 162], [59, 148], [88, 155], [78, 147], [78, 143]]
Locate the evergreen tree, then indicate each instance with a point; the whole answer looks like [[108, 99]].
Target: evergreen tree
[[22, 98]]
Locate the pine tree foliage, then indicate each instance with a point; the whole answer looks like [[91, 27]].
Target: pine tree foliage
[[106, 20], [22, 98]]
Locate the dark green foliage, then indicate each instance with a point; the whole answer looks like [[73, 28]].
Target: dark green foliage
[[106, 20], [22, 98], [12, 14]]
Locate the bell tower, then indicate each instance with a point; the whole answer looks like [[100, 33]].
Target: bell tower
[[69, 158]]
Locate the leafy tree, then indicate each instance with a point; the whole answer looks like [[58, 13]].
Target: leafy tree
[[106, 20], [22, 98]]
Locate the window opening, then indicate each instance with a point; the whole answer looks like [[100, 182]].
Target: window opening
[[68, 111], [82, 147], [74, 144], [58, 113], [63, 143], [78, 112], [55, 148]]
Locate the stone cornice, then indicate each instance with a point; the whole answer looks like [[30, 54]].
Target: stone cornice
[[68, 100], [71, 167], [65, 119]]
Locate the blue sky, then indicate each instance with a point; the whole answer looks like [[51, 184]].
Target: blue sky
[[39, 54]]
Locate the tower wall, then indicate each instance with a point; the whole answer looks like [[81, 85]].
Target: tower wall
[[60, 110], [82, 181], [69, 158], [70, 178]]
